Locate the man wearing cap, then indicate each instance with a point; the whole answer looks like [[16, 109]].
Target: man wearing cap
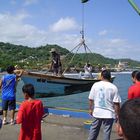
[[56, 66], [104, 106]]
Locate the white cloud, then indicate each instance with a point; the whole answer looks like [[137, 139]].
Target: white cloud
[[13, 2], [13, 29], [114, 42], [102, 33], [29, 2], [64, 24], [116, 48]]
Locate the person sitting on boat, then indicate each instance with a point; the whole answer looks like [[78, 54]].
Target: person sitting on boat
[[88, 70], [56, 65]]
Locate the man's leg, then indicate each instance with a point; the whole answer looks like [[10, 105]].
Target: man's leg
[[4, 116], [55, 71], [94, 129], [12, 107], [12, 116], [4, 108], [60, 71], [107, 124]]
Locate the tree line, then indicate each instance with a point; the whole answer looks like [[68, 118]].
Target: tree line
[[40, 57]]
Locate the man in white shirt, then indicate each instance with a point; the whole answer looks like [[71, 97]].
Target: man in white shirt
[[106, 100], [88, 71]]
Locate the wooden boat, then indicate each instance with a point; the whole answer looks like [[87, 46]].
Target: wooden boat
[[49, 86]]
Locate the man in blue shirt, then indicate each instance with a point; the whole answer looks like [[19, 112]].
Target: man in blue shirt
[[8, 89]]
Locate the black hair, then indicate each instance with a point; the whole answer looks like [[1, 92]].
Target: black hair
[[134, 73], [10, 69], [138, 76], [88, 65], [129, 119], [28, 89], [106, 74]]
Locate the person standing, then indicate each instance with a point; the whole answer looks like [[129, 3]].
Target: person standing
[[106, 100], [56, 65], [30, 115], [134, 90], [8, 88], [88, 71]]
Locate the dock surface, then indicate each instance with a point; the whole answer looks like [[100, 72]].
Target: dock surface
[[56, 127]]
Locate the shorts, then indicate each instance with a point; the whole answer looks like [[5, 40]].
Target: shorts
[[8, 103]]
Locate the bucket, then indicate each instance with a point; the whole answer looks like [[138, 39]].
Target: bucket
[[87, 124]]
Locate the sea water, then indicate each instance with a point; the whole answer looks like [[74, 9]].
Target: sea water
[[80, 101]]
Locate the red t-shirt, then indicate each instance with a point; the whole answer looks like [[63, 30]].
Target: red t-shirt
[[29, 115], [134, 91]]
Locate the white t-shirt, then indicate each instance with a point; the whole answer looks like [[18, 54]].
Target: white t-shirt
[[87, 69], [88, 72], [104, 94]]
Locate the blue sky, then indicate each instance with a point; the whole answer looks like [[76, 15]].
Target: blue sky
[[112, 27]]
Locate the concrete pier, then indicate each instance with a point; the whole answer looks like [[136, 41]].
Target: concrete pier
[[56, 127]]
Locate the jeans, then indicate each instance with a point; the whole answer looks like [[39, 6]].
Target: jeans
[[95, 128], [0, 123]]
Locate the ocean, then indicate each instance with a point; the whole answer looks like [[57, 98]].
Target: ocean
[[80, 101]]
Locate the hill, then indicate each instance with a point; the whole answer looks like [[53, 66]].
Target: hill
[[38, 58]]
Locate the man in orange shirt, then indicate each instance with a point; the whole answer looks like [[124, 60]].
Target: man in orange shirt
[[30, 115]]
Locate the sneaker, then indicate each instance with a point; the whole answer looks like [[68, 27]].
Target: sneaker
[[4, 122]]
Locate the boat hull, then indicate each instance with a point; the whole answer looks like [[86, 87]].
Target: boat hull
[[50, 86]]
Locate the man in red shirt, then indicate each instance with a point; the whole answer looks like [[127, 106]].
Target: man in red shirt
[[134, 90], [29, 115]]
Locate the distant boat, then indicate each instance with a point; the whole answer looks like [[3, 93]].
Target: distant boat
[[50, 86]]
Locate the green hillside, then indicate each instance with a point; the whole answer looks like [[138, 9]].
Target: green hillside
[[38, 58]]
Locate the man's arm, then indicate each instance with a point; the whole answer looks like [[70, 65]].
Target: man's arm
[[18, 73], [117, 109], [91, 106], [51, 66], [19, 117], [130, 93]]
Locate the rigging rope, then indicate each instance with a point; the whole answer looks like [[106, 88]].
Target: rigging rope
[[82, 43]]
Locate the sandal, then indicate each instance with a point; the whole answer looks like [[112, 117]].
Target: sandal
[[4, 122]]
